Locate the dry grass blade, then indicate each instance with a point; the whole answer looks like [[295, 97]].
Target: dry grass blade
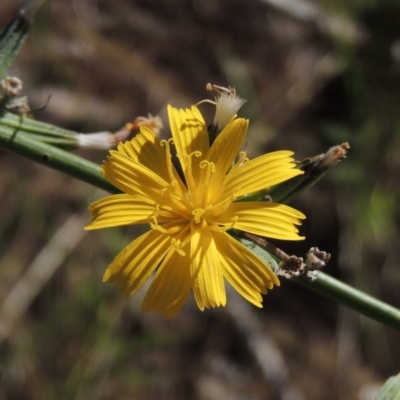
[[43, 267]]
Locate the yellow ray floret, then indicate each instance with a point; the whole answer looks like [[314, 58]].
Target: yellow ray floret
[[187, 247]]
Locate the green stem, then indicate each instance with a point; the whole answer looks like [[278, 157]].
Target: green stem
[[33, 127], [19, 142], [353, 298], [87, 171], [335, 290]]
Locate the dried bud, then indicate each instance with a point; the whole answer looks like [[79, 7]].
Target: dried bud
[[227, 104], [334, 155], [154, 123], [18, 105], [316, 259], [292, 267], [11, 86], [107, 140]]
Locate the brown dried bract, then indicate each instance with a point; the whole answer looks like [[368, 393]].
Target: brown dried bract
[[152, 122], [292, 267], [334, 155]]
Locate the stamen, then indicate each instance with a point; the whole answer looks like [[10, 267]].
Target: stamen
[[198, 214], [154, 215], [158, 227], [169, 228], [174, 194], [185, 236], [177, 246], [196, 153], [243, 159], [239, 163], [190, 182], [220, 89], [225, 227], [205, 179], [223, 204], [168, 156], [206, 163], [201, 214], [174, 230], [209, 168], [206, 101], [232, 224]]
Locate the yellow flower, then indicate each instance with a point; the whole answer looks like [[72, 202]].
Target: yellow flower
[[188, 246]]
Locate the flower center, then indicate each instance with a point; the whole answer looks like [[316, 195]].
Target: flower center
[[186, 206]]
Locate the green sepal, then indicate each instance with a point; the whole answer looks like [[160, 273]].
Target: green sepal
[[390, 390], [313, 169], [286, 191], [261, 253]]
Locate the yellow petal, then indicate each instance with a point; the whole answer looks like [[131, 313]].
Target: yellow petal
[[131, 177], [145, 148], [266, 219], [190, 134], [120, 209], [133, 266], [208, 281], [248, 274], [171, 285], [261, 173], [224, 150]]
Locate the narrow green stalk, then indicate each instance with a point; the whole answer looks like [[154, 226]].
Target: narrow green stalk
[[87, 171], [40, 131], [330, 287], [353, 298], [33, 127], [19, 142]]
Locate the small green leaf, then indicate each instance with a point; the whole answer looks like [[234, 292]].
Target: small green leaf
[[263, 254], [390, 390], [286, 191], [11, 39]]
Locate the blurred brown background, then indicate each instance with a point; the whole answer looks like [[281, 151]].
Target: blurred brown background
[[315, 74]]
